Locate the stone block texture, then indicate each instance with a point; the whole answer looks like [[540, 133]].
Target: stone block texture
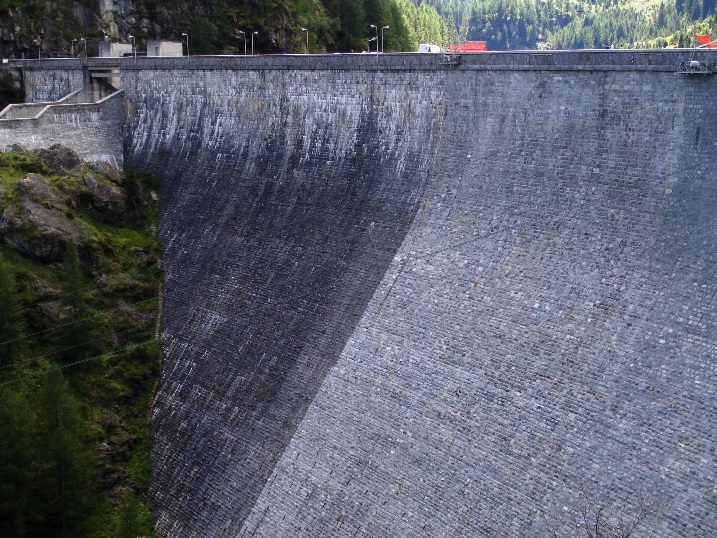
[[409, 298], [46, 83]]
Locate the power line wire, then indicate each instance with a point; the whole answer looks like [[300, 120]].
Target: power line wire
[[55, 352], [57, 327], [5, 315], [96, 357]]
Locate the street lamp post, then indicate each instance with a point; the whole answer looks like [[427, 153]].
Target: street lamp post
[[382, 29], [186, 36], [134, 50], [375, 28], [243, 36], [83, 40], [307, 39], [252, 42]]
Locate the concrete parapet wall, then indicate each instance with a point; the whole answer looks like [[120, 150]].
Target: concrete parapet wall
[[597, 60], [60, 72], [92, 130]]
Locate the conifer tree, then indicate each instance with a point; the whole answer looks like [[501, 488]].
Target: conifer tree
[[78, 330], [353, 23], [16, 465], [11, 322], [64, 465], [129, 524]]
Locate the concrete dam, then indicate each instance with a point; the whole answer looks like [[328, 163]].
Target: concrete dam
[[427, 295]]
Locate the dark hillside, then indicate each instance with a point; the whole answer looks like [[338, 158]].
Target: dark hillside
[[560, 24], [37, 28], [79, 278]]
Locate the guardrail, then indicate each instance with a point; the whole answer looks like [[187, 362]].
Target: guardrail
[[33, 111]]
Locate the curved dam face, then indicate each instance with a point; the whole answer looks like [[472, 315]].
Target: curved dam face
[[413, 298]]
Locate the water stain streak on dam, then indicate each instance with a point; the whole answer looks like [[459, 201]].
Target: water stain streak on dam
[[410, 299]]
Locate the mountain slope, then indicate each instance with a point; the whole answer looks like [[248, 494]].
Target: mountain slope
[[37, 28]]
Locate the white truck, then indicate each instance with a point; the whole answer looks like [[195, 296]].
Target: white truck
[[427, 47]]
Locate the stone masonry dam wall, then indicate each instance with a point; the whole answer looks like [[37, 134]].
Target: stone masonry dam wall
[[405, 298]]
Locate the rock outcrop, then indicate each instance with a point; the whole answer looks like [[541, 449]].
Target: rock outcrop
[[38, 231], [39, 218], [60, 159], [107, 198], [39, 189], [108, 171]]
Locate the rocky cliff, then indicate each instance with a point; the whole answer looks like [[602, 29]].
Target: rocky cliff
[[39, 28]]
